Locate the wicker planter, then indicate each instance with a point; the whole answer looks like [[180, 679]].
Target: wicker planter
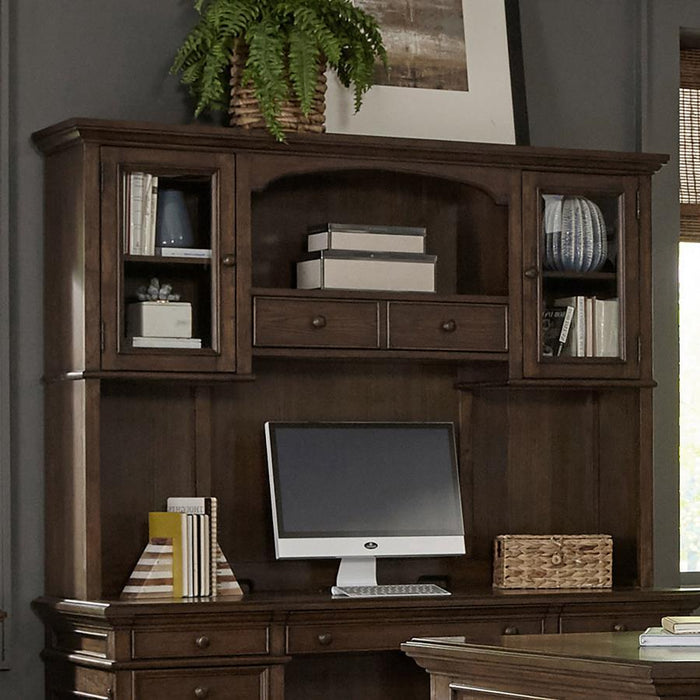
[[552, 561], [244, 110]]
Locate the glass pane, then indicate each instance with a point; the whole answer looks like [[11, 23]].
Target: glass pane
[[689, 328], [580, 243], [167, 251]]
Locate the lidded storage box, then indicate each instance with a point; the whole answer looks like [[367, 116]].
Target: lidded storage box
[[552, 561]]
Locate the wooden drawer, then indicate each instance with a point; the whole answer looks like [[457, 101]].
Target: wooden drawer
[[609, 623], [232, 683], [195, 642], [315, 323], [313, 639], [459, 327]]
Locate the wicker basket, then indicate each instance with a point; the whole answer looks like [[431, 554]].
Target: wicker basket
[[244, 110], [552, 561]]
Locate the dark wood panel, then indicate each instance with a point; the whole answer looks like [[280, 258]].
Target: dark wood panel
[[147, 442], [297, 390], [345, 676], [455, 233]]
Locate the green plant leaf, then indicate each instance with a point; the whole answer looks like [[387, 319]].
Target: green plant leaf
[[287, 40]]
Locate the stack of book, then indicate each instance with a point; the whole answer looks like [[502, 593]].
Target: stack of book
[[140, 206], [678, 631], [595, 327], [141, 219], [367, 257], [183, 558]]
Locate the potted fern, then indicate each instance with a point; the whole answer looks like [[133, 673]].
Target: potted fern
[[270, 55]]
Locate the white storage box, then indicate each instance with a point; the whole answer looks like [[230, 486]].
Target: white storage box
[[159, 319]]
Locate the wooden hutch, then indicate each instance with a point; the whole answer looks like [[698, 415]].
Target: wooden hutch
[[546, 444]]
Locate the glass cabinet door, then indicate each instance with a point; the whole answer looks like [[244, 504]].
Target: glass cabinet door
[[581, 306], [168, 261]]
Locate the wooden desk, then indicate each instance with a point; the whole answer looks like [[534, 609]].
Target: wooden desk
[[600, 665], [303, 646]]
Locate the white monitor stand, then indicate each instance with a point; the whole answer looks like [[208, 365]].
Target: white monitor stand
[[357, 571]]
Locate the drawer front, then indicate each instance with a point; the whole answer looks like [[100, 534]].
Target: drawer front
[[196, 642], [315, 323], [609, 623], [457, 327], [232, 683], [314, 639]]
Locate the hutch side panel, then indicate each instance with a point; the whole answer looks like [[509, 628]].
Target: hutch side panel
[[148, 452]]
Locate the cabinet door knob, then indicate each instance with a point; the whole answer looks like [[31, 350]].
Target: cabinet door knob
[[201, 692], [325, 639], [531, 273], [202, 642], [511, 629], [319, 321], [449, 326], [229, 260], [618, 627]]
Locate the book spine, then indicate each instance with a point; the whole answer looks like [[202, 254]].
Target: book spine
[[565, 327]]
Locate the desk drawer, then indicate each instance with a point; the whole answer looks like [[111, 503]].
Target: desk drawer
[[609, 623], [315, 323], [459, 327], [200, 641], [231, 683], [313, 639]]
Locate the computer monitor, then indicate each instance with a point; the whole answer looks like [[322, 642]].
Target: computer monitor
[[361, 490]]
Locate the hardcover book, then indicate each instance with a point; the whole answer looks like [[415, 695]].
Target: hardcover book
[[660, 637], [556, 323], [173, 526], [682, 624]]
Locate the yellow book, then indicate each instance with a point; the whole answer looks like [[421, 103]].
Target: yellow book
[[173, 526]]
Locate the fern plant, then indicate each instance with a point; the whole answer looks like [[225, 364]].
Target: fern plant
[[286, 43]]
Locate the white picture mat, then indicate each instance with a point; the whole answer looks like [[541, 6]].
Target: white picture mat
[[483, 114]]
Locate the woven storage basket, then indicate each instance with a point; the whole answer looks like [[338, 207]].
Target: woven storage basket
[[552, 561], [244, 110]]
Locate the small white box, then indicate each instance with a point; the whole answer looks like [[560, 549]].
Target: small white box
[[159, 319]]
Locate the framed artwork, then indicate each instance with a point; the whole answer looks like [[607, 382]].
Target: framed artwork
[[455, 73]]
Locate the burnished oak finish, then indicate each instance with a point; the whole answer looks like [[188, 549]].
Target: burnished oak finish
[[302, 646], [601, 665], [545, 446]]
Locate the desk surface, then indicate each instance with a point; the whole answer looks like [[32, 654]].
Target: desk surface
[[585, 665], [613, 647]]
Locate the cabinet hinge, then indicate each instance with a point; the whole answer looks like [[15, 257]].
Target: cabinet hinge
[[639, 205], [102, 336], [639, 349]]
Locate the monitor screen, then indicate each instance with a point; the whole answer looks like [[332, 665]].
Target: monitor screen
[[359, 489]]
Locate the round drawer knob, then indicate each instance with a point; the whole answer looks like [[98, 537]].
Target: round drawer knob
[[228, 260], [449, 326], [511, 629], [202, 642], [319, 321], [201, 692], [618, 627], [325, 639], [531, 273]]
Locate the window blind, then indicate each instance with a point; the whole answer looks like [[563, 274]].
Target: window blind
[[689, 144]]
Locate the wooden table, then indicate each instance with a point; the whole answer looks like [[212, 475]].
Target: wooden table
[[596, 665]]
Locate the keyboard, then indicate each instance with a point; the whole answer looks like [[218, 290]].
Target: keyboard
[[389, 591]]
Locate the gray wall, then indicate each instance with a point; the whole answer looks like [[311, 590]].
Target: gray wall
[[598, 75]]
